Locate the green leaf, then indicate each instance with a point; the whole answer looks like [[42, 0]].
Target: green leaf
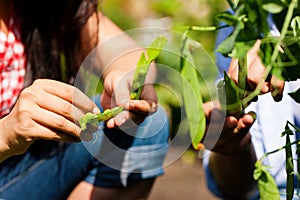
[[228, 95], [192, 95], [241, 48], [139, 76], [266, 183], [273, 6], [153, 50], [228, 18], [296, 95], [227, 46], [295, 25], [138, 81]]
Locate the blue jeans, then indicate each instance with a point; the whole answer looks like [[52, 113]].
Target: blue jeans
[[113, 158]]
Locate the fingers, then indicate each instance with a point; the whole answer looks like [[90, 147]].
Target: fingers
[[56, 108], [67, 92], [276, 88], [118, 120], [138, 110], [255, 75], [244, 124], [56, 122], [60, 107], [149, 94], [52, 134], [256, 72], [117, 93], [116, 90]]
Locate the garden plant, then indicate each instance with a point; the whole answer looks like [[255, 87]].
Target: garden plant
[[279, 53]]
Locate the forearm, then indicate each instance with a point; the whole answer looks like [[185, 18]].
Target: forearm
[[234, 173], [110, 48], [118, 51]]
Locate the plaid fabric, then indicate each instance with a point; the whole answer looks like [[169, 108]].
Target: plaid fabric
[[12, 68]]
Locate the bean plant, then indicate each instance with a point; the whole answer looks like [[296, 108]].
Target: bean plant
[[251, 20], [89, 121], [279, 53]]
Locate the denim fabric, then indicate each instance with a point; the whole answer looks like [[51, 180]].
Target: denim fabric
[[114, 158]]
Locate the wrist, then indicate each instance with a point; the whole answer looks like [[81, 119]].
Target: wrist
[[235, 146], [5, 150]]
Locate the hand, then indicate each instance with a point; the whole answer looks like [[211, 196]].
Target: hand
[[256, 71], [116, 92], [226, 135], [48, 110]]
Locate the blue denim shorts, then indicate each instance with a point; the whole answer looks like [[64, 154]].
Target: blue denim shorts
[[113, 158]]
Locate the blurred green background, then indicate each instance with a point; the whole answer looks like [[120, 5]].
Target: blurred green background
[[176, 15]]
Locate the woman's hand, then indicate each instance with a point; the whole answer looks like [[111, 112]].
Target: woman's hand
[[116, 92], [256, 71], [48, 110]]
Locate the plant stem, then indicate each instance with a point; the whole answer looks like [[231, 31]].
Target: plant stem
[[280, 149], [284, 30], [206, 28], [231, 4], [242, 76], [285, 146]]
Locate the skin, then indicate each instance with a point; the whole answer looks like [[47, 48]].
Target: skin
[[234, 149], [117, 83], [234, 152], [57, 118], [256, 72], [64, 126]]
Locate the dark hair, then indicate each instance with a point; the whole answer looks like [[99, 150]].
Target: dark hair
[[50, 29]]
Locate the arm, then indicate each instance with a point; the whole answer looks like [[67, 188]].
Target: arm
[[34, 118], [118, 55], [256, 71], [232, 157]]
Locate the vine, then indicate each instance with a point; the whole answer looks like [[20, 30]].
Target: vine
[[251, 21]]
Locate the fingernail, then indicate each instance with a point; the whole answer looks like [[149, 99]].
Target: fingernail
[[253, 115], [153, 107], [131, 106], [121, 121], [96, 110], [124, 102], [236, 131]]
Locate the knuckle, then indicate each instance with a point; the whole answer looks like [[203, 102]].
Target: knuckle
[[27, 93], [70, 92], [66, 108], [25, 126], [277, 84], [38, 82], [60, 122]]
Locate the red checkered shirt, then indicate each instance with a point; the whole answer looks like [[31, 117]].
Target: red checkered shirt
[[12, 67]]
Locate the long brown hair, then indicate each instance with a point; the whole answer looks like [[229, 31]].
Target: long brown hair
[[50, 29]]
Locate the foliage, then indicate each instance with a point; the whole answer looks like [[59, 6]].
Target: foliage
[[152, 52], [146, 58], [193, 107], [266, 183], [176, 15], [251, 21]]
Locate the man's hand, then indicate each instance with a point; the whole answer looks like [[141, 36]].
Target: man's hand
[[256, 71]]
